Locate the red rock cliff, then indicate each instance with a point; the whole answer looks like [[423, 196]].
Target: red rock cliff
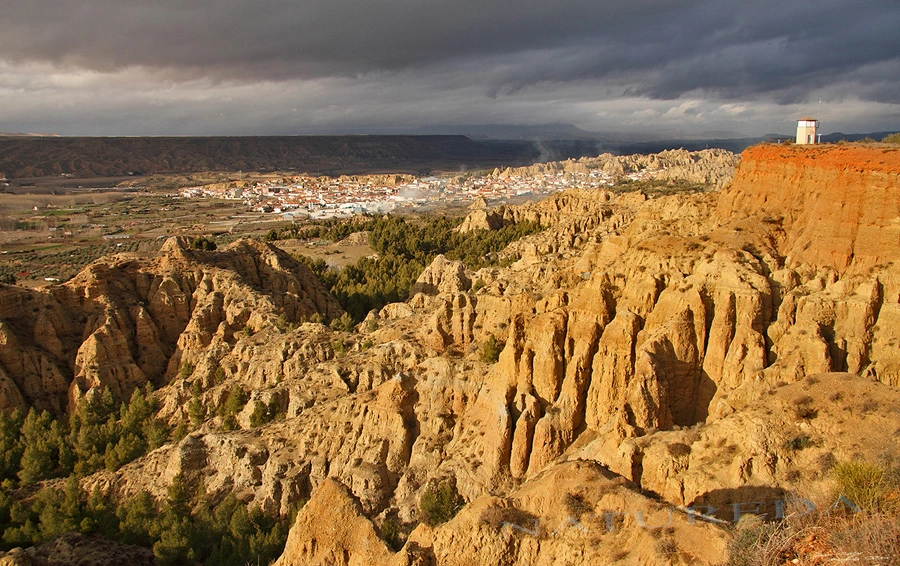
[[840, 204]]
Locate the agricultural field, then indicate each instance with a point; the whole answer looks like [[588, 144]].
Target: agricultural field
[[45, 238]]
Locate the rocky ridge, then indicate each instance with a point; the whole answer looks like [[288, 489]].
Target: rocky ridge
[[126, 320], [713, 167], [710, 168]]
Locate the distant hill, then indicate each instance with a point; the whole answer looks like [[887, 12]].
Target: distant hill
[[25, 135], [513, 132], [24, 156], [839, 136]]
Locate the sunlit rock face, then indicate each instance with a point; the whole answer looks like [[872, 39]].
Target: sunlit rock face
[[668, 343]]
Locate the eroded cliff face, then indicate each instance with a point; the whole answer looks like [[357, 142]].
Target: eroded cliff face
[[127, 320], [654, 337], [652, 344], [838, 205]]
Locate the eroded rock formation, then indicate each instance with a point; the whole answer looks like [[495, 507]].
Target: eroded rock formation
[[652, 344], [126, 321]]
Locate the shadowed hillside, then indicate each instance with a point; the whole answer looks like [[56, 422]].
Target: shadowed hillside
[[23, 157]]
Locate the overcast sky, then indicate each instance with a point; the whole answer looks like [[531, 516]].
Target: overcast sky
[[210, 67]]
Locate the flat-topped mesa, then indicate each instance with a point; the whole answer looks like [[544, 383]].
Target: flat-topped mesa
[[839, 205]]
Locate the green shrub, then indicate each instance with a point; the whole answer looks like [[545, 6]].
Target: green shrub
[[11, 447], [892, 138], [46, 451], [260, 414], [196, 411], [229, 423], [264, 413], [440, 503], [184, 529], [284, 325], [186, 370], [202, 243], [343, 324], [179, 432], [490, 350], [390, 533], [798, 442], [235, 401]]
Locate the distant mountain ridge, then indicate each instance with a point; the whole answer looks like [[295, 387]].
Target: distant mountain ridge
[[838, 136], [24, 156], [459, 147], [554, 131], [26, 135]]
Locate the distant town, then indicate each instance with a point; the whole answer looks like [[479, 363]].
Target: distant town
[[314, 198], [50, 237]]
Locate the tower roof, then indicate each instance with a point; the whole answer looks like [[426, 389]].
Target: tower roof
[[807, 119]]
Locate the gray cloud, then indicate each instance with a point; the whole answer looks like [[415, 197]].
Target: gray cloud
[[346, 63]]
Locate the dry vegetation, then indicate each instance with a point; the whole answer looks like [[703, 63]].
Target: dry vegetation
[[857, 522]]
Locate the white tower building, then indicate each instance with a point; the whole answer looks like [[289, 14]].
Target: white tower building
[[806, 130]]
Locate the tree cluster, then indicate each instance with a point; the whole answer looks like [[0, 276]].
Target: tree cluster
[[203, 243], [404, 248], [187, 527], [334, 229], [37, 449], [101, 433]]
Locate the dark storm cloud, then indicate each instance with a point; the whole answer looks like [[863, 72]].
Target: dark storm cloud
[[654, 48]]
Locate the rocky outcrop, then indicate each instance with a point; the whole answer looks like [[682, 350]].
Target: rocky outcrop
[[642, 335], [127, 321], [712, 167], [441, 290], [576, 512], [442, 276], [364, 439], [314, 541], [781, 439], [567, 515], [686, 307], [838, 204], [75, 548]]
